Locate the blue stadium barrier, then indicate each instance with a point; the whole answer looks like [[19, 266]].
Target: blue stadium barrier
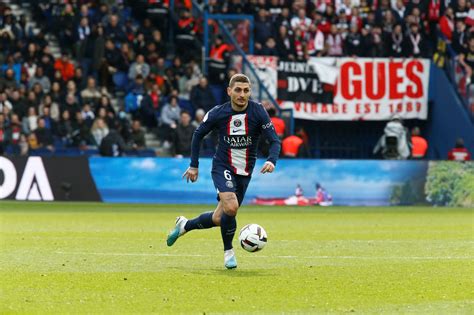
[[355, 183]]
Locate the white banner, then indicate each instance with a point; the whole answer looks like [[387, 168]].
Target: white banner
[[365, 88], [371, 89]]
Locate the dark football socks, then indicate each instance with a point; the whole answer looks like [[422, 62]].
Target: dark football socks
[[203, 221], [228, 227]]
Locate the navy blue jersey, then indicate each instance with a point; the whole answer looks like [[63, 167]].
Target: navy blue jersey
[[239, 133]]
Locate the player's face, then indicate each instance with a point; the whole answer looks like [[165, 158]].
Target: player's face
[[239, 94]]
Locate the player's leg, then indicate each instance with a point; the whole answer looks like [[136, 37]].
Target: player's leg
[[204, 220], [228, 226], [231, 202], [183, 225]]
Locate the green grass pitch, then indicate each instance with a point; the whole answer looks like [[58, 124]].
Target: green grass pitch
[[61, 258]]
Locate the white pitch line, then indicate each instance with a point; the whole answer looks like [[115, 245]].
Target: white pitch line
[[279, 256]]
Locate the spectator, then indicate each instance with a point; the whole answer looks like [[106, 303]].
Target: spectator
[[187, 83], [65, 67], [56, 92], [71, 88], [88, 114], [139, 67], [334, 42], [32, 100], [139, 44], [81, 131], [263, 28], [4, 102], [185, 37], [53, 107], [113, 144], [198, 117], [49, 123], [353, 42], [395, 42], [170, 115], [19, 103], [278, 123], [137, 137], [219, 61], [415, 43], [83, 33], [419, 144], [8, 82], [446, 23], [44, 135], [23, 145], [284, 19], [315, 44], [66, 27], [269, 49], [110, 64], [98, 54], [461, 9], [394, 143], [79, 78], [399, 10], [32, 142], [459, 152], [292, 147], [155, 95], [65, 128], [46, 62], [466, 59], [15, 133], [41, 79], [31, 53], [301, 21], [460, 37], [30, 122], [160, 44], [71, 105], [114, 30], [202, 96], [183, 136], [91, 93], [109, 109], [99, 130], [285, 44], [38, 91], [373, 42]]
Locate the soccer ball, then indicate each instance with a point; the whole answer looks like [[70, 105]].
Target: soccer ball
[[252, 237]]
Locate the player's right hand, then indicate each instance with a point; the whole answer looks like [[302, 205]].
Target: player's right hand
[[191, 174]]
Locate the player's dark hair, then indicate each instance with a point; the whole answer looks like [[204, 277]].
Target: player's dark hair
[[239, 77]]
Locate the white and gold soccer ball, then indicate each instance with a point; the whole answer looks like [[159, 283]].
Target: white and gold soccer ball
[[252, 237]]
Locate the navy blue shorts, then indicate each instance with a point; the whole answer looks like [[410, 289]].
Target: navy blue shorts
[[226, 181]]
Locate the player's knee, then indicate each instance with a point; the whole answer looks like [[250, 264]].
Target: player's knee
[[231, 208]]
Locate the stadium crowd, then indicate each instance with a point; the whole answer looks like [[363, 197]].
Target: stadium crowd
[[149, 57]]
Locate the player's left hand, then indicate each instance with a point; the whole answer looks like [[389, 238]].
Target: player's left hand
[[268, 167], [191, 174]]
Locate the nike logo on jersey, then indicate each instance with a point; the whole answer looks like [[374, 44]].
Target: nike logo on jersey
[[237, 125]]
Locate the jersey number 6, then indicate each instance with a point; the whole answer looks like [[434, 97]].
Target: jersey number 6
[[227, 175]]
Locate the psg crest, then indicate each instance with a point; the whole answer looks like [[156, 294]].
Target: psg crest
[[237, 123]]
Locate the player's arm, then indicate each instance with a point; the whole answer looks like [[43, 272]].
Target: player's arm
[[206, 126], [269, 133]]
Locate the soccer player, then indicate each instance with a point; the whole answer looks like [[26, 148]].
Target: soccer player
[[239, 122]]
